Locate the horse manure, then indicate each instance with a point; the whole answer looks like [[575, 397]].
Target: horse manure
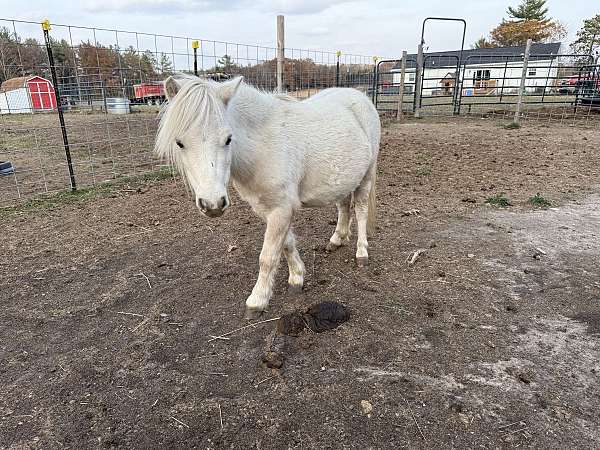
[[319, 317], [273, 357], [325, 316]]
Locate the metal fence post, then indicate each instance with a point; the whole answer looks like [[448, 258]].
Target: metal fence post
[[63, 128], [418, 82], [280, 52], [195, 46], [337, 68], [517, 117], [401, 87]]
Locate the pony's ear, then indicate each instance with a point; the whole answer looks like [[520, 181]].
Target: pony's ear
[[171, 88], [227, 90]]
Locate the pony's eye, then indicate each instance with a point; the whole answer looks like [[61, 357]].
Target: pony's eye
[[228, 141], [179, 144]]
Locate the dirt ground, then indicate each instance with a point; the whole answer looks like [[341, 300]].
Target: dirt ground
[[490, 340]]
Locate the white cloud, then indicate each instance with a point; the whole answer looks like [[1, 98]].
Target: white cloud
[[145, 7], [299, 6]]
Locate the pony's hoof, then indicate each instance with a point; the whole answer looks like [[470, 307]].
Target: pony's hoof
[[253, 314], [295, 289], [331, 247], [362, 261]]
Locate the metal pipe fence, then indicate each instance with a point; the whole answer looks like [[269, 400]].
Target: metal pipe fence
[[74, 137], [562, 87]]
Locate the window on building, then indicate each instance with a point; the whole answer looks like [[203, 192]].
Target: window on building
[[411, 77], [481, 75], [532, 71]]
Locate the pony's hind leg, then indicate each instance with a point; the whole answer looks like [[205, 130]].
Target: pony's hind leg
[[363, 203], [295, 264], [341, 235]]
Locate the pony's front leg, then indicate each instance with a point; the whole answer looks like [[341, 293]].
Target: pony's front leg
[[278, 225]]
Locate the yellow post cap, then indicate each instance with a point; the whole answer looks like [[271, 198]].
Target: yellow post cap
[[195, 44], [46, 25], [375, 58], [338, 53]]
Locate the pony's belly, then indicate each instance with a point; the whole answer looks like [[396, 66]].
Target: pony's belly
[[328, 192]]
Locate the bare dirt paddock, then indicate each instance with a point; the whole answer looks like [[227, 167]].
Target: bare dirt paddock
[[490, 340]]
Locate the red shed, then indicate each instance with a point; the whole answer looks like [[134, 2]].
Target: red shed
[[39, 90]]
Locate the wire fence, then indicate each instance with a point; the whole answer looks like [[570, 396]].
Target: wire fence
[[109, 85], [78, 105]]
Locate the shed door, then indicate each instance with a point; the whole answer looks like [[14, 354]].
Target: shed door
[[34, 92]]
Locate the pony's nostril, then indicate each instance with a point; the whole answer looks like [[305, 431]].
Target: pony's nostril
[[223, 202]]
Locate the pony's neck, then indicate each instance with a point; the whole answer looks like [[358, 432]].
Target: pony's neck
[[247, 114]]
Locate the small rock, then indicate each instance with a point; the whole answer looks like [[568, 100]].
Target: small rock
[[525, 377], [512, 308], [470, 255], [367, 407], [231, 248], [272, 360], [468, 200]]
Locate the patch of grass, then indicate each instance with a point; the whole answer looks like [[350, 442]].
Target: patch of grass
[[511, 126], [81, 195], [499, 200], [423, 171], [423, 157], [537, 201]]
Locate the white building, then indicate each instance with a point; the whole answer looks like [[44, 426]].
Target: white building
[[486, 71]]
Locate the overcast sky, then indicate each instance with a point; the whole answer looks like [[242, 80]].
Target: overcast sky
[[378, 27]]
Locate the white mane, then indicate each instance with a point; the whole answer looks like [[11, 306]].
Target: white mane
[[193, 105]]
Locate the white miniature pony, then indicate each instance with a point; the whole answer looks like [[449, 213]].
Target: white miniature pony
[[281, 155]]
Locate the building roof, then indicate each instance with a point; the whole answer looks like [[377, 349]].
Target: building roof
[[484, 55], [17, 83]]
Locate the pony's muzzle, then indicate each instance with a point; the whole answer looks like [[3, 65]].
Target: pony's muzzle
[[213, 209]]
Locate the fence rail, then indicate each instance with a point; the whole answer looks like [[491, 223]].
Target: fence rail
[[564, 85]]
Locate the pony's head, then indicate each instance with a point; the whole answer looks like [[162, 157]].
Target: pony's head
[[194, 135]]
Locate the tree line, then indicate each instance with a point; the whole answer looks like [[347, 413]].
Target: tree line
[[112, 66], [90, 62]]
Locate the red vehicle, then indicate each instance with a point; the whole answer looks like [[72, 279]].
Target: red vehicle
[[152, 93], [579, 83]]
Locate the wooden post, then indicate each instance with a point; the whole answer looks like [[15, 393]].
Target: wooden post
[[517, 118], [401, 87], [280, 53], [418, 81]]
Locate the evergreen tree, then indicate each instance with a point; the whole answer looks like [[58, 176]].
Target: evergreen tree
[[529, 10]]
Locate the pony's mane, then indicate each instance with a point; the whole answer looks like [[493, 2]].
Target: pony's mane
[[191, 107]]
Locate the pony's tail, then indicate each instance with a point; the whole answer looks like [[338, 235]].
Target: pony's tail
[[372, 214]]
